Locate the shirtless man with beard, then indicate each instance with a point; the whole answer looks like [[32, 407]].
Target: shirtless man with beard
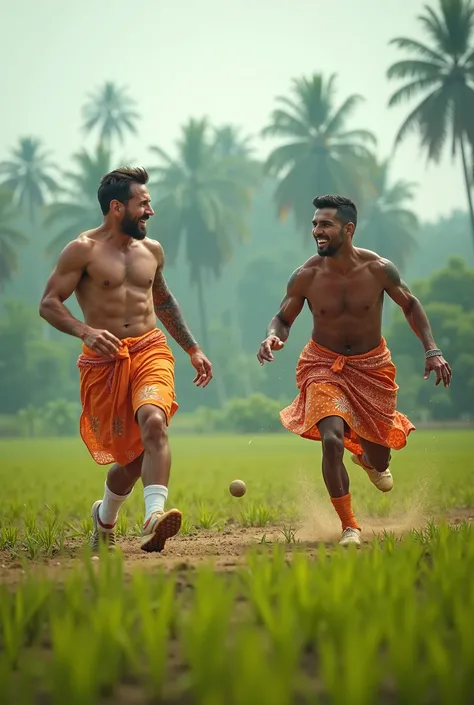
[[126, 367], [346, 379]]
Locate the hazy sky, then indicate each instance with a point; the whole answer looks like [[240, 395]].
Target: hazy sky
[[226, 59]]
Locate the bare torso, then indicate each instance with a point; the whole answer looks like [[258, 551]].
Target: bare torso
[[115, 290], [346, 306]]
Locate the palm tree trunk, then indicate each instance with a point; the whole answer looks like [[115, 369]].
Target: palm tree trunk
[[468, 183], [220, 385]]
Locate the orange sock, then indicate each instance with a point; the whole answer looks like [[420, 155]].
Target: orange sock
[[343, 507]]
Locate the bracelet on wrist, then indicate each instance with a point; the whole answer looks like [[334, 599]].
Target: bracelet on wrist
[[434, 352]]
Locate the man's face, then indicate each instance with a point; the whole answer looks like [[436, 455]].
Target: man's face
[[328, 232], [137, 212]]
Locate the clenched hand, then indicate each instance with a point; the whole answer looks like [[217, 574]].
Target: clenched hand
[[102, 342], [273, 342]]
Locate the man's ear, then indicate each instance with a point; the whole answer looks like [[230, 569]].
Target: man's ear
[[350, 229], [115, 206]]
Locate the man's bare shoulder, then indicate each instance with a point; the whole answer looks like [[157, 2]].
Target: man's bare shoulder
[[79, 250], [381, 269], [155, 248], [367, 255], [378, 265], [310, 266], [303, 275], [153, 245]]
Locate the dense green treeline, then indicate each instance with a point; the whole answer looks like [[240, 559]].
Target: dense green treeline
[[234, 228]]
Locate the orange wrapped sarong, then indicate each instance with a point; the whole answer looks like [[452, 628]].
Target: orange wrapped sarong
[[361, 389], [112, 391]]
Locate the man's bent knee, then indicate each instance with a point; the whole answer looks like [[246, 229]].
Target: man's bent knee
[[333, 443], [153, 428]]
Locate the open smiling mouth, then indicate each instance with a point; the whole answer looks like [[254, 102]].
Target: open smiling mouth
[[322, 241]]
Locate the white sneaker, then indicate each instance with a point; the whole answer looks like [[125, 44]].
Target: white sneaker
[[382, 480], [350, 537], [159, 527], [100, 535]]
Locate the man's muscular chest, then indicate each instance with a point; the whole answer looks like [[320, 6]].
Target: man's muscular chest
[[355, 294], [111, 269]]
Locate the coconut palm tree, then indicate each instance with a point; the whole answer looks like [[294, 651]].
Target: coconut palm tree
[[10, 239], [29, 175], [387, 225], [79, 210], [441, 72], [110, 111], [203, 200], [321, 153], [230, 143]]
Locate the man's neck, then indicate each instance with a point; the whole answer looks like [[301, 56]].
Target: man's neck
[[117, 238], [342, 262]]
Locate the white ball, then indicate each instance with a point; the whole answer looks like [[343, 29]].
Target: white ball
[[237, 488]]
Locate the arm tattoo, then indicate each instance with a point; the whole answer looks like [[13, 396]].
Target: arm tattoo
[[393, 276], [169, 313]]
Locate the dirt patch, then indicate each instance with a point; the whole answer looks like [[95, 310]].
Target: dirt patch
[[225, 550]]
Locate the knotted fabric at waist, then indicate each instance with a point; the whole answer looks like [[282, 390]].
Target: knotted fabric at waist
[[371, 360], [129, 346]]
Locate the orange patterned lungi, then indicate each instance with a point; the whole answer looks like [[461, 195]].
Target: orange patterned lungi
[[112, 391], [361, 389]]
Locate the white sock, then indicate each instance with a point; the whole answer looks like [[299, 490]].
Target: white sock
[[155, 498], [109, 508]]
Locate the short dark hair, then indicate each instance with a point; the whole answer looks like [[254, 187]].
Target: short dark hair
[[346, 209], [117, 185]]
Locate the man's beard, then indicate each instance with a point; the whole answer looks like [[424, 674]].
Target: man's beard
[[331, 249], [133, 228]]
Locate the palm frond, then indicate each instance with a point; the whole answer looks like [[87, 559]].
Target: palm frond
[[362, 135], [413, 120], [161, 154], [337, 121], [410, 89], [418, 48], [283, 125], [416, 69], [285, 156]]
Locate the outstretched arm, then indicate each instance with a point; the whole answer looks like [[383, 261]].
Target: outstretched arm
[[290, 307], [169, 313], [418, 320], [280, 325]]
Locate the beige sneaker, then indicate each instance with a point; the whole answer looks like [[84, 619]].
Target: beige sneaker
[[159, 527], [100, 535], [350, 537], [382, 480]]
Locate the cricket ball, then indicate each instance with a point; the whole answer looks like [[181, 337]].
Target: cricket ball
[[237, 488]]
